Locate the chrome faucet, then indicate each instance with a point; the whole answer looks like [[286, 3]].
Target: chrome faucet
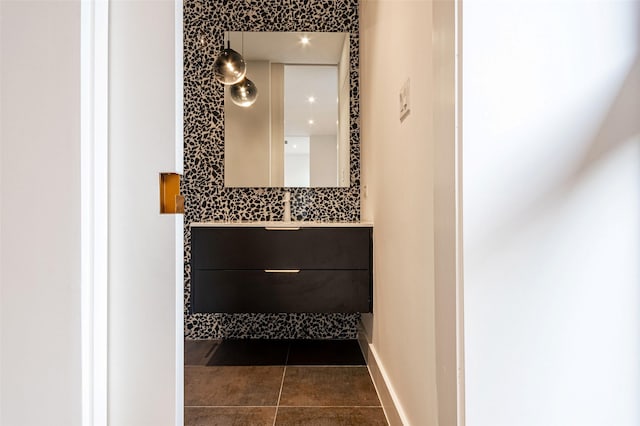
[[287, 207]]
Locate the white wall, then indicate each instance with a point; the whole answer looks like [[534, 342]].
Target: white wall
[[446, 216], [551, 147], [397, 173], [40, 369], [344, 114], [323, 160], [276, 92], [145, 256], [296, 170], [247, 153]]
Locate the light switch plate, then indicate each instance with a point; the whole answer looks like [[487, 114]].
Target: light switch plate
[[405, 105]]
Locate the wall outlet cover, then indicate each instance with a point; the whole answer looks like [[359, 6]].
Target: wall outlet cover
[[405, 105]]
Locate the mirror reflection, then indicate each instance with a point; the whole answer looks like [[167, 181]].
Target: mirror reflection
[[296, 134]]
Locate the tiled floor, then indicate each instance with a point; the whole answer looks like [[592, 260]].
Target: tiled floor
[[278, 382]]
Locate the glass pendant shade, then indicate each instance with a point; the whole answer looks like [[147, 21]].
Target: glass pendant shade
[[244, 93], [229, 67]]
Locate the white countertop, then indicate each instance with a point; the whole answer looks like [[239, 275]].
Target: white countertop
[[280, 224]]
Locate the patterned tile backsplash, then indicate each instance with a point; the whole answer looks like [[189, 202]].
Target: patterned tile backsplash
[[205, 22]]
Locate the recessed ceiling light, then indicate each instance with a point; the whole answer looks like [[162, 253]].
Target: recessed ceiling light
[[311, 99], [310, 121], [304, 40], [295, 146]]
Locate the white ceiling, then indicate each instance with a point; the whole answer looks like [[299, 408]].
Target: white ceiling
[[286, 48]]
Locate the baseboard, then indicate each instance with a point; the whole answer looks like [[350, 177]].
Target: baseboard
[[388, 398]]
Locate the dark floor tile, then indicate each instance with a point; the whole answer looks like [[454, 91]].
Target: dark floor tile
[[232, 386], [325, 352], [198, 352], [331, 416], [328, 386], [250, 352], [229, 416]]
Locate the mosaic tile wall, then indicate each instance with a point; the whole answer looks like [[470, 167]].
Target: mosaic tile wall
[[206, 198]]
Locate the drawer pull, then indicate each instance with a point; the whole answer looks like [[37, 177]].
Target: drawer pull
[[282, 228], [282, 271]]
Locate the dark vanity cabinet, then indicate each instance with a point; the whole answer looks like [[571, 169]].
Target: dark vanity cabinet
[[257, 269]]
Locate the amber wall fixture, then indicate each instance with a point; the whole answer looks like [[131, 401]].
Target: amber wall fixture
[[170, 199]]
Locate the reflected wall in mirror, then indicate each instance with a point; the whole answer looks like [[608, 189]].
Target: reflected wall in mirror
[[296, 134]]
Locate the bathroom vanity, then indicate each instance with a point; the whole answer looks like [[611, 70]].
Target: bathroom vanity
[[284, 267]]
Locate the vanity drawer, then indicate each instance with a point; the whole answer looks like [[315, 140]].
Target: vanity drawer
[[260, 291], [260, 248]]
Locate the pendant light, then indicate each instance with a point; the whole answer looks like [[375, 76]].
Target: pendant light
[[243, 93], [229, 67]]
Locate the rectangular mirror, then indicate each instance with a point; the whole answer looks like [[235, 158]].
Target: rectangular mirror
[[296, 134]]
